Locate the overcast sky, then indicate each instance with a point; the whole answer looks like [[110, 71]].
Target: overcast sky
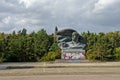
[[81, 15]]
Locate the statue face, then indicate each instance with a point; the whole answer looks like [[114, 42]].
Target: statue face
[[75, 36]]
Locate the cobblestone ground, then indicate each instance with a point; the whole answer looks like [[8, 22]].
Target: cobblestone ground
[[60, 71]]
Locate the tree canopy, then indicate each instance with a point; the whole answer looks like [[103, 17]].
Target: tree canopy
[[39, 46]]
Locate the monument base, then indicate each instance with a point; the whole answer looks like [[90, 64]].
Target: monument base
[[71, 61], [73, 54]]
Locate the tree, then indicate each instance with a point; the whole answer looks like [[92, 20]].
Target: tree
[[41, 43], [22, 47], [117, 53], [2, 47], [24, 32]]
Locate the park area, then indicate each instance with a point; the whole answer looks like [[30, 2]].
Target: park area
[[60, 71]]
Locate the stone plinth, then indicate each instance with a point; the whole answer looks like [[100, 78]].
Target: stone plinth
[[73, 54]]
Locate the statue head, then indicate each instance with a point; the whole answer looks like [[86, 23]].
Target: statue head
[[75, 37]]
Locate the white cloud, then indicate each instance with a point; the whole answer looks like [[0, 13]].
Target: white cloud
[[6, 20], [103, 4], [27, 3]]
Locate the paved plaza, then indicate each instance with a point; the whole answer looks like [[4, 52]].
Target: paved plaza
[[63, 77], [60, 71]]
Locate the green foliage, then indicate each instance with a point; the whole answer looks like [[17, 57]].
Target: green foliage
[[2, 59], [41, 43], [54, 47], [23, 47], [39, 46], [2, 47], [117, 53], [54, 53], [101, 46], [50, 56]]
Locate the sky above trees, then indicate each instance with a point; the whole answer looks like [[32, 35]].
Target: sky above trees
[[81, 15]]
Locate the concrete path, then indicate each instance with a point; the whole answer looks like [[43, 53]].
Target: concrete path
[[46, 64], [60, 71], [63, 77]]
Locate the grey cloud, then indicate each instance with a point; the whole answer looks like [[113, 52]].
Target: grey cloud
[[80, 15], [108, 16]]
